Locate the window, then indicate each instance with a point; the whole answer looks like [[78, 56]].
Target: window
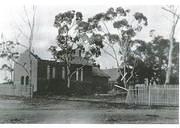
[[22, 80], [77, 74], [27, 80], [48, 72], [79, 53], [54, 72], [63, 73], [81, 74]]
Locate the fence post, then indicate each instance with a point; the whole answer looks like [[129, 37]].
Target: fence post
[[149, 95]]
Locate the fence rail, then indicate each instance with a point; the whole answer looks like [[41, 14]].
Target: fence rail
[[166, 96]]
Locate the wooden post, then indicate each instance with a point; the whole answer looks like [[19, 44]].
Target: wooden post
[[149, 96]]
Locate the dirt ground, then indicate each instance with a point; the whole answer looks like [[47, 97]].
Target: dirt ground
[[48, 111]]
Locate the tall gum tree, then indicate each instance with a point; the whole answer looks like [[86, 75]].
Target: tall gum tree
[[175, 18], [74, 33], [118, 27]]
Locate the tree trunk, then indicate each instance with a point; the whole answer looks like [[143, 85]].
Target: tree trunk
[[68, 76], [11, 76], [124, 79], [11, 72], [31, 25], [30, 75], [168, 73], [30, 62]]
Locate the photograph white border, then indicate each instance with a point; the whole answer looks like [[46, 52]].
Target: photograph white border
[[89, 3]]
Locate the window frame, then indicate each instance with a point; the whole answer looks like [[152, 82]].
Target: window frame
[[53, 72], [22, 80], [27, 80], [77, 74], [63, 73], [82, 74], [48, 72]]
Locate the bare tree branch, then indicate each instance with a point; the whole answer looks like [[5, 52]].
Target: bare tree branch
[[28, 20], [20, 30], [115, 57], [23, 66], [77, 69], [109, 54], [132, 71], [170, 11]]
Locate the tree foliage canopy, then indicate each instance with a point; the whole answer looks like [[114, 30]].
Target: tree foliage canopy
[[74, 33], [154, 60], [118, 28]]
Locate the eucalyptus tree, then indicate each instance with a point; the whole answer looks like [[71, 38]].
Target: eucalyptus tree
[[74, 33], [175, 19], [118, 27], [154, 55]]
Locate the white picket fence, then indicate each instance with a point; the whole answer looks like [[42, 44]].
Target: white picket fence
[[14, 90], [154, 95]]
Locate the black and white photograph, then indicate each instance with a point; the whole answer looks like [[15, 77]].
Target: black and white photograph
[[89, 63]]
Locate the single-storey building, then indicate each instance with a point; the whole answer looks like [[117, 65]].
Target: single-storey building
[[49, 76]]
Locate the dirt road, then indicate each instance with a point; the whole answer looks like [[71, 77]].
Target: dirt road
[[73, 112]]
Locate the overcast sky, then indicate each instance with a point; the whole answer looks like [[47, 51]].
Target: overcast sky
[[11, 17]]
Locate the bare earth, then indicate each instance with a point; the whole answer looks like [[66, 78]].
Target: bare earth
[[13, 110]]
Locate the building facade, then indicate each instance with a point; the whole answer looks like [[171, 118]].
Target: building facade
[[49, 77]]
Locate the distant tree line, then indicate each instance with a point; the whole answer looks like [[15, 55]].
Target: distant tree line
[[152, 62]]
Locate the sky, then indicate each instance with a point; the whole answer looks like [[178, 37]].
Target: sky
[[11, 17]]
